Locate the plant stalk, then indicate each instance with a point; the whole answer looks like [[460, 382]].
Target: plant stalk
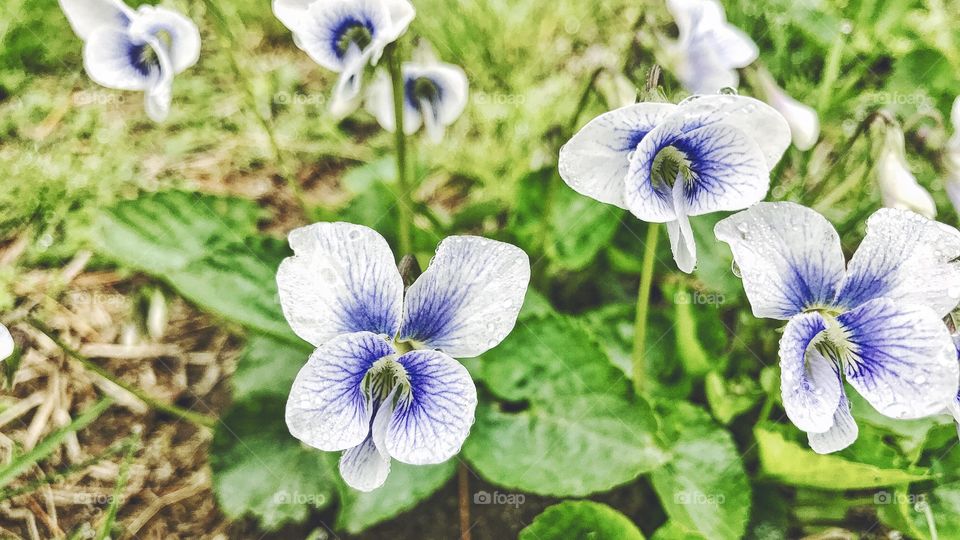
[[643, 308], [404, 185]]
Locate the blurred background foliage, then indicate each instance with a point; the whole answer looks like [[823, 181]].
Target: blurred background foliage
[[200, 204]]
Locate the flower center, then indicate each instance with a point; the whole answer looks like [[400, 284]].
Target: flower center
[[833, 342], [423, 89], [670, 165], [352, 32], [383, 377]]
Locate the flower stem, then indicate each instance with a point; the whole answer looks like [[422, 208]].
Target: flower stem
[[643, 307], [404, 200], [198, 419]]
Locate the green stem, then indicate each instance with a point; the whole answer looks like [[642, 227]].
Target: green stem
[[190, 416], [404, 185], [643, 307]]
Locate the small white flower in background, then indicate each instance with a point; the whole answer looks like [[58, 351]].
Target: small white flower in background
[[708, 50], [345, 36], [952, 157], [877, 320], [6, 343], [434, 96], [666, 163], [383, 383], [140, 49], [803, 120], [898, 187]]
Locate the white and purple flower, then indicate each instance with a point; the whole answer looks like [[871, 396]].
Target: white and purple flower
[[708, 50], [876, 321], [140, 49], [383, 383], [666, 163], [434, 96], [345, 36]]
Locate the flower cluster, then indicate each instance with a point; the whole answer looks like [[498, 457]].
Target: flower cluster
[[383, 383], [347, 36], [140, 49]]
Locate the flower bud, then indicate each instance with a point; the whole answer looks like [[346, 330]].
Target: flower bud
[[898, 186], [802, 119]]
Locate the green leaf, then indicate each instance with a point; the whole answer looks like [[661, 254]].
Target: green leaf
[[612, 327], [729, 399], [672, 530], [406, 486], [567, 405], [259, 469], [268, 366], [573, 228], [206, 248], [793, 464], [580, 227], [580, 520], [704, 487]]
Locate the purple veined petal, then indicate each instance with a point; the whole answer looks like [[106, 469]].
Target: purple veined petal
[[7, 345], [767, 127], [363, 467], [900, 358], [682, 243], [789, 257], [115, 60], [324, 33], [85, 16], [727, 171], [468, 299], [431, 423], [342, 278], [809, 383], [327, 407], [842, 434], [907, 258], [594, 162], [177, 35]]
